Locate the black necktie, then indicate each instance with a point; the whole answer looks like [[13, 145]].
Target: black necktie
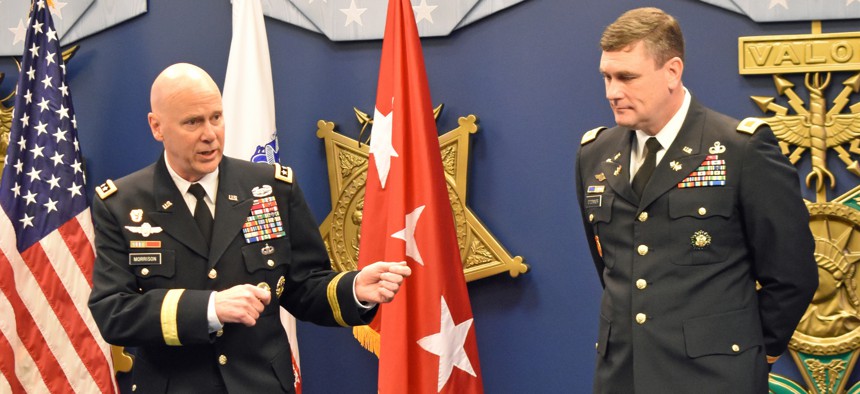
[[202, 214], [652, 146]]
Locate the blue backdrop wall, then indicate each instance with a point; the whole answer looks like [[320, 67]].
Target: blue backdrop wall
[[529, 73]]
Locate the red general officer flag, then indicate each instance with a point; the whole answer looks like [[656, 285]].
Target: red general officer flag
[[427, 338]]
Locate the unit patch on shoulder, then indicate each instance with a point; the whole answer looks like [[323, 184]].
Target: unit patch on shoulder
[[750, 125], [106, 189], [590, 135], [283, 173]]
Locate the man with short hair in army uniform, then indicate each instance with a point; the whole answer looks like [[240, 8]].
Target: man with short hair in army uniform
[[199, 297], [685, 211]]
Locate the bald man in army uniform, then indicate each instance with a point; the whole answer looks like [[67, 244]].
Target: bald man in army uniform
[[685, 211], [196, 252]]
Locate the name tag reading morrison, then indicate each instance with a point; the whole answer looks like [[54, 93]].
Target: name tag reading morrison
[[144, 258]]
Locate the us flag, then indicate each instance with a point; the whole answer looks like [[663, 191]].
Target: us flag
[[48, 339]]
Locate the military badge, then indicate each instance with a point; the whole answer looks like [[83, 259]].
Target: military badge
[[264, 221], [136, 215], [717, 148], [262, 191], [675, 165], [600, 177], [167, 204], [687, 150], [279, 289], [712, 172], [232, 197], [144, 229], [267, 250], [617, 171], [700, 239]]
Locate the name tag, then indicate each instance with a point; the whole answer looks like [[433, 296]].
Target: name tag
[[144, 258], [593, 201]]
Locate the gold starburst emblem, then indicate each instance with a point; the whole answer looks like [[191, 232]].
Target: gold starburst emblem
[[482, 254]]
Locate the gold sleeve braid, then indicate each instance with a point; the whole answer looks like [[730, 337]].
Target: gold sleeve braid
[[169, 308], [331, 292]]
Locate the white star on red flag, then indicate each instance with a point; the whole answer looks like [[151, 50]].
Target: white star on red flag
[[380, 144], [408, 235], [448, 345]]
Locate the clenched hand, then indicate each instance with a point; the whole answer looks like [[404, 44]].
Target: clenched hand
[[379, 282], [241, 304]]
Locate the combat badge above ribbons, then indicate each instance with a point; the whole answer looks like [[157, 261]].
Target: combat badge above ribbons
[[712, 172], [264, 222]]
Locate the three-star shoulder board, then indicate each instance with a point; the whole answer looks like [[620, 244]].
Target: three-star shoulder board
[[591, 135], [750, 125], [106, 189], [283, 173]]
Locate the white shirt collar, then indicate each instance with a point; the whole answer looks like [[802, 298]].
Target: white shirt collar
[[209, 181]]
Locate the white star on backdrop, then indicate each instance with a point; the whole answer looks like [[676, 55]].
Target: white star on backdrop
[[353, 14], [20, 32], [423, 11], [380, 143], [408, 234], [774, 3], [57, 9], [448, 344]]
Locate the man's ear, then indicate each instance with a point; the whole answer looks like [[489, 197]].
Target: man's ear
[[674, 69], [155, 127]]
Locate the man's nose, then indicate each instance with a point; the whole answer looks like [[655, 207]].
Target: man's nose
[[208, 133], [613, 90]]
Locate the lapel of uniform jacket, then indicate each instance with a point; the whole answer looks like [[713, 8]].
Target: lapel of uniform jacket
[[230, 214], [666, 177], [171, 212], [616, 167]]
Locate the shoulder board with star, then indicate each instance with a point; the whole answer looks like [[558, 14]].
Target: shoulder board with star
[[283, 173], [591, 135], [106, 189], [750, 125]]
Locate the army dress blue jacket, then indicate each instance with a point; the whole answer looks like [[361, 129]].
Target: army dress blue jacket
[[680, 312], [154, 274]]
